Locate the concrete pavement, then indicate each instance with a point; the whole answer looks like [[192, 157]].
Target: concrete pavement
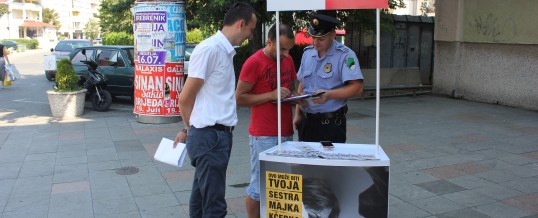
[[449, 158]]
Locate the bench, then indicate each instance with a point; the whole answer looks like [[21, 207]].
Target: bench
[[393, 79]]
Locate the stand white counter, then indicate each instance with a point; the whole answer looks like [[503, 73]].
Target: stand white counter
[[303, 177]]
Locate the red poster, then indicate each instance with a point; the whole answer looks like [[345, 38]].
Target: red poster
[[157, 89], [355, 4]]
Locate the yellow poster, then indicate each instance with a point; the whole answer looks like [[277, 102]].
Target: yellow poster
[[284, 195]]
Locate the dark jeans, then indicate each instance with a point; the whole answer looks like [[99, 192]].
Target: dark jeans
[[209, 150], [322, 128]]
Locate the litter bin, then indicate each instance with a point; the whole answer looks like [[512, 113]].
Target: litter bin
[[21, 47]]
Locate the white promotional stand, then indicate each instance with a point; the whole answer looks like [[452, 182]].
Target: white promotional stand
[[303, 179]]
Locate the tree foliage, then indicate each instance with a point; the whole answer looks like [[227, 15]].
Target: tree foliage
[[4, 9], [207, 16], [116, 16], [91, 29], [50, 16]]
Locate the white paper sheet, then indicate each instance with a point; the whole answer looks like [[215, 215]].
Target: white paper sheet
[[168, 155]]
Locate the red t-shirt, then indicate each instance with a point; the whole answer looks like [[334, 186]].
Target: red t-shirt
[[260, 71]]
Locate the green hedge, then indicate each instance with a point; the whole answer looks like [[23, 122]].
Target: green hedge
[[30, 43], [118, 38], [194, 36]]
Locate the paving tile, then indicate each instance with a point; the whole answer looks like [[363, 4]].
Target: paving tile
[[150, 189], [180, 185], [470, 181], [410, 192], [178, 175], [413, 177], [10, 170], [497, 176], [526, 202], [32, 186], [71, 161], [527, 185], [71, 173], [183, 197], [42, 148], [40, 157], [533, 155], [172, 212], [70, 187], [406, 210], [499, 209], [436, 205], [134, 214], [156, 201], [37, 168], [73, 204], [114, 206], [111, 182], [104, 165], [456, 170], [25, 203], [469, 198], [498, 192], [111, 193], [466, 212], [440, 187], [31, 211], [71, 147]]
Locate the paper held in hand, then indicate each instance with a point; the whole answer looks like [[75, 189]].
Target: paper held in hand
[[167, 154]]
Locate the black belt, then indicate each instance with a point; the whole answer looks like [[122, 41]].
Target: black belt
[[222, 128], [327, 115]]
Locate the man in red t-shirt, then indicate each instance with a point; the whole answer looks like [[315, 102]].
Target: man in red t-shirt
[[257, 88]]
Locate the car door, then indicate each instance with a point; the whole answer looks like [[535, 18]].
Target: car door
[[112, 63]]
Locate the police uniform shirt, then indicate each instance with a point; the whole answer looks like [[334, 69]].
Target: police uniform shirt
[[340, 64]]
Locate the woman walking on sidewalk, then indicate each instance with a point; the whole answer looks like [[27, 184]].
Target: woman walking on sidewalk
[[3, 59]]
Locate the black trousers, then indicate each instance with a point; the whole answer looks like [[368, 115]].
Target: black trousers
[[323, 126]]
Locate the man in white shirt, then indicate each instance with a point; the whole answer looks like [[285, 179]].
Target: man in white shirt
[[208, 108]]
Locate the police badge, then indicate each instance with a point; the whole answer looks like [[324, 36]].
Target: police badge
[[327, 68]]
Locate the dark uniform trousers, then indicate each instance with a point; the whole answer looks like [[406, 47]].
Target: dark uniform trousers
[[330, 126]]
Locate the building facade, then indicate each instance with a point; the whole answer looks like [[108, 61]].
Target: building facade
[[487, 50], [25, 19], [73, 15]]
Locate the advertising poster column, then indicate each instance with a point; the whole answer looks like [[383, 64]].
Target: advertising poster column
[[159, 33]]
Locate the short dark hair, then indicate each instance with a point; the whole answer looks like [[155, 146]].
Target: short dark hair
[[239, 11], [285, 30], [318, 195]]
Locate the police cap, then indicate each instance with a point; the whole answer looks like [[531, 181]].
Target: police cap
[[321, 24]]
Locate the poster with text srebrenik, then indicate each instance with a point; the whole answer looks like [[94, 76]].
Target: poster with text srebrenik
[[159, 32]]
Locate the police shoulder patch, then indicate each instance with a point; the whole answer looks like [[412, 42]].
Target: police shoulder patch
[[308, 47], [342, 48], [350, 63]]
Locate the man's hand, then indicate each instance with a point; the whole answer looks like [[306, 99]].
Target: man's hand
[[284, 92], [322, 98], [180, 137]]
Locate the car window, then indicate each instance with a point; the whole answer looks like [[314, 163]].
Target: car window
[[80, 57], [109, 57], [130, 54], [63, 46], [70, 45]]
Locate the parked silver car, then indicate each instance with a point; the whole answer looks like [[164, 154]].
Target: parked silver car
[[62, 50]]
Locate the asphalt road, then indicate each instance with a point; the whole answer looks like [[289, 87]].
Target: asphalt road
[[27, 98]]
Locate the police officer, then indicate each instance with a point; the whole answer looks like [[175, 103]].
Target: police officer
[[330, 67]]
